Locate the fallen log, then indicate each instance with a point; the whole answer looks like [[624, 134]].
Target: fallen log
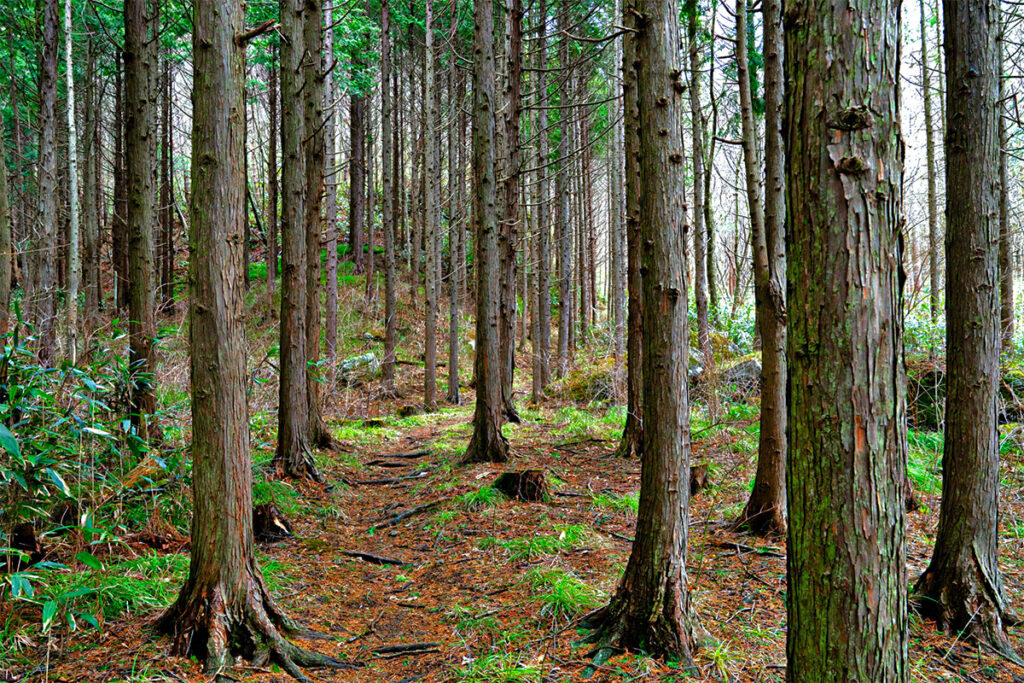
[[395, 519]]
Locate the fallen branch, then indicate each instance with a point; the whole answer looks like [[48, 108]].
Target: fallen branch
[[409, 648], [414, 454], [392, 521], [741, 548], [395, 480]]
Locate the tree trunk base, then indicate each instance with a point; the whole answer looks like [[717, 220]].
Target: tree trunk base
[[629, 446], [298, 465], [761, 519], [492, 448], [529, 486], [962, 599], [616, 628], [202, 623]]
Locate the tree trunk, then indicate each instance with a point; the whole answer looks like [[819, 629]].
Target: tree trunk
[[44, 235], [962, 587], [331, 166], [371, 198], [357, 180], [5, 239], [509, 237], [456, 180], [139, 154], [562, 217], [92, 186], [166, 196], [224, 609], [488, 444], [74, 262], [389, 160], [933, 228], [1005, 236], [700, 280], [847, 609], [650, 610], [293, 457], [272, 183], [632, 433], [765, 510], [431, 226], [542, 307], [313, 110]]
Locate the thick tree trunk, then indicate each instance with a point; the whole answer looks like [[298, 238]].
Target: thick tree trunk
[[357, 180], [846, 595], [650, 611], [166, 196], [371, 199], [488, 444], [42, 303], [224, 609], [765, 509], [139, 154], [294, 457], [632, 432], [962, 587]]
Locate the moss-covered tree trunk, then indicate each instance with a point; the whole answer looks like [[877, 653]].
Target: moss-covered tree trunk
[[962, 587], [650, 610], [488, 444], [846, 594]]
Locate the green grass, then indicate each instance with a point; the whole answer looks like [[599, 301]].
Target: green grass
[[562, 595], [924, 461], [627, 502], [499, 668], [570, 537], [483, 497]]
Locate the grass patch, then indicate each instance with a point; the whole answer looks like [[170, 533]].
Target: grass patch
[[924, 460], [627, 502], [570, 537], [561, 594], [499, 668], [483, 497]]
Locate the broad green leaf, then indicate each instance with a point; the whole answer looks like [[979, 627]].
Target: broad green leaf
[[9, 443], [89, 560]]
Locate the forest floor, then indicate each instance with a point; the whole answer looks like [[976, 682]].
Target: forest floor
[[486, 588]]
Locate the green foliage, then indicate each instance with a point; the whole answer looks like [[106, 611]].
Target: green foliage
[[924, 460], [627, 502], [569, 537], [483, 497], [499, 668], [562, 595]]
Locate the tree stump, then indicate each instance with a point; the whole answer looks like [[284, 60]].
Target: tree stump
[[698, 478], [269, 525], [530, 486]]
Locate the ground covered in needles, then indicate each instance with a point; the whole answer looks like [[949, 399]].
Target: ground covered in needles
[[422, 570]]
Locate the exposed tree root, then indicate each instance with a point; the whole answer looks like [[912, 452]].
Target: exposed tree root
[[300, 465], [204, 624], [968, 604], [493, 447], [617, 628]]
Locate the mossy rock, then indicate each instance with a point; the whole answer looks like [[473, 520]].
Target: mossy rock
[[598, 381]]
